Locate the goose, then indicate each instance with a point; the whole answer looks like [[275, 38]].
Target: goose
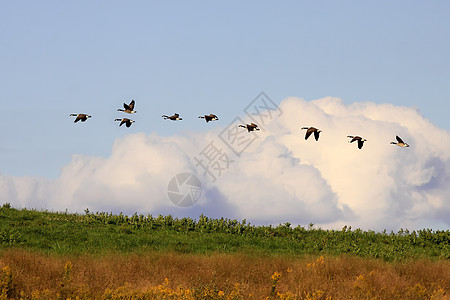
[[82, 117], [129, 108], [400, 142], [210, 117], [125, 121], [357, 138], [250, 127], [310, 130], [175, 117]]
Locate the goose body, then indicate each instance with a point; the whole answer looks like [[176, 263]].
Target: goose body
[[129, 108], [400, 142], [310, 130], [357, 138], [80, 117], [250, 127], [210, 117], [175, 117], [125, 121]]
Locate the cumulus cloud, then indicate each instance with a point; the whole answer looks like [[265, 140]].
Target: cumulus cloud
[[279, 178]]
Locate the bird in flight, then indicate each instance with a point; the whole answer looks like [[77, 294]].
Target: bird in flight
[[80, 117], [357, 138], [129, 108], [250, 127], [125, 121], [400, 142], [210, 117], [175, 117], [310, 130]]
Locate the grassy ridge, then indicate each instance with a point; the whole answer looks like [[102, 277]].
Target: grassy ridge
[[100, 233]]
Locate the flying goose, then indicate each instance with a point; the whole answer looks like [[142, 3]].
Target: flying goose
[[310, 130], [125, 121], [209, 117], [400, 142], [357, 138], [250, 127], [82, 117], [129, 108], [175, 117]]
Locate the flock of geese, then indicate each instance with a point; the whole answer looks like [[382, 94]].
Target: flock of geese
[[129, 109], [354, 138]]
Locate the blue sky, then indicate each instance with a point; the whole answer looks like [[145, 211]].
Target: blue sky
[[198, 57]]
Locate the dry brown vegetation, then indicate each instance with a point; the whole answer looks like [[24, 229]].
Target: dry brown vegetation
[[159, 275]]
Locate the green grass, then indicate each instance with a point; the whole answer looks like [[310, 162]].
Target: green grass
[[100, 233]]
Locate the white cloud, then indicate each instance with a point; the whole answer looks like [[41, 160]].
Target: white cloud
[[279, 178]]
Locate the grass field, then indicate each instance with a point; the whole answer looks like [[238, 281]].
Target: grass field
[[47, 255]]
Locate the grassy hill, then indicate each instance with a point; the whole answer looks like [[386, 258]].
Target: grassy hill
[[99, 233], [57, 255]]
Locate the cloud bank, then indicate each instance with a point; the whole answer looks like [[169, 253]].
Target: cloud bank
[[280, 177]]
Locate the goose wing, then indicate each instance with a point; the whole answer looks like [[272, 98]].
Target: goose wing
[[399, 139], [127, 107], [80, 117], [316, 135], [131, 105], [309, 131], [360, 143]]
